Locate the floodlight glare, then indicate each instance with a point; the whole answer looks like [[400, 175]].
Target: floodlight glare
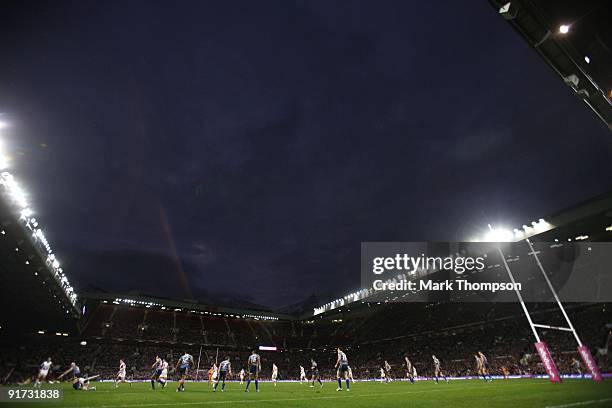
[[498, 235], [564, 28]]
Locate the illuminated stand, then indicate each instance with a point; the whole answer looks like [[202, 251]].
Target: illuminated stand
[[541, 347]]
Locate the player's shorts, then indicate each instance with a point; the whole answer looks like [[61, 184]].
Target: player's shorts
[[77, 385], [222, 375], [157, 372], [182, 370], [43, 372], [121, 375], [164, 373], [343, 368], [253, 369], [274, 376], [315, 372]]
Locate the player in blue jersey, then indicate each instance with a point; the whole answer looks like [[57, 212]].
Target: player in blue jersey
[[182, 366], [225, 369], [342, 370], [314, 373], [74, 369], [82, 383], [157, 368], [254, 365]]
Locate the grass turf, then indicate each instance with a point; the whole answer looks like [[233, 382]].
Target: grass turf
[[500, 393]]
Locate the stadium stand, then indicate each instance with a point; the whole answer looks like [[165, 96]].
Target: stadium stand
[[450, 332]]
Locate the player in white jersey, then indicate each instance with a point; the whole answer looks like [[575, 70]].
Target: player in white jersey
[[225, 369], [342, 370], [121, 374], [577, 367], [349, 374], [437, 370], [182, 365], [411, 370], [43, 372], [254, 364], [383, 376], [215, 373], [302, 375], [163, 377], [484, 367], [387, 368], [478, 363], [241, 376], [274, 373]]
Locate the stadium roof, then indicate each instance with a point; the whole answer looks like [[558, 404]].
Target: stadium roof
[[573, 38], [34, 297], [590, 220], [195, 307]]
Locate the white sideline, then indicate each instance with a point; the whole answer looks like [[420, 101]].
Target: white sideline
[[576, 404]]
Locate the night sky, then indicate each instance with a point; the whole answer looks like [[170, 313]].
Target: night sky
[[245, 148]]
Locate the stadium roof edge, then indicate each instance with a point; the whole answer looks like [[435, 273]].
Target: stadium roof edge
[[15, 217], [533, 23], [188, 306]]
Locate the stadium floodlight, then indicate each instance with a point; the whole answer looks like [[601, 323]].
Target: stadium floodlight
[[587, 59], [498, 235], [508, 11], [564, 28]]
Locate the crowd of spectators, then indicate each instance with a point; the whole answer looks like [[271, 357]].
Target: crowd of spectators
[[454, 333]]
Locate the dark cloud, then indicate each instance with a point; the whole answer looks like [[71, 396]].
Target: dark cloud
[[255, 145]]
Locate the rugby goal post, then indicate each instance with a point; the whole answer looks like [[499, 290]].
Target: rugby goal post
[[541, 346]]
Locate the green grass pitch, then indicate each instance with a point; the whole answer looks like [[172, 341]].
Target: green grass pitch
[[530, 393]]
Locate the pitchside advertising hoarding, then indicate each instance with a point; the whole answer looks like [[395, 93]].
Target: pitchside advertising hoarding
[[521, 272]]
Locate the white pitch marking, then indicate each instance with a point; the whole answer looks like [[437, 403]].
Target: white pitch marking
[[576, 404]]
